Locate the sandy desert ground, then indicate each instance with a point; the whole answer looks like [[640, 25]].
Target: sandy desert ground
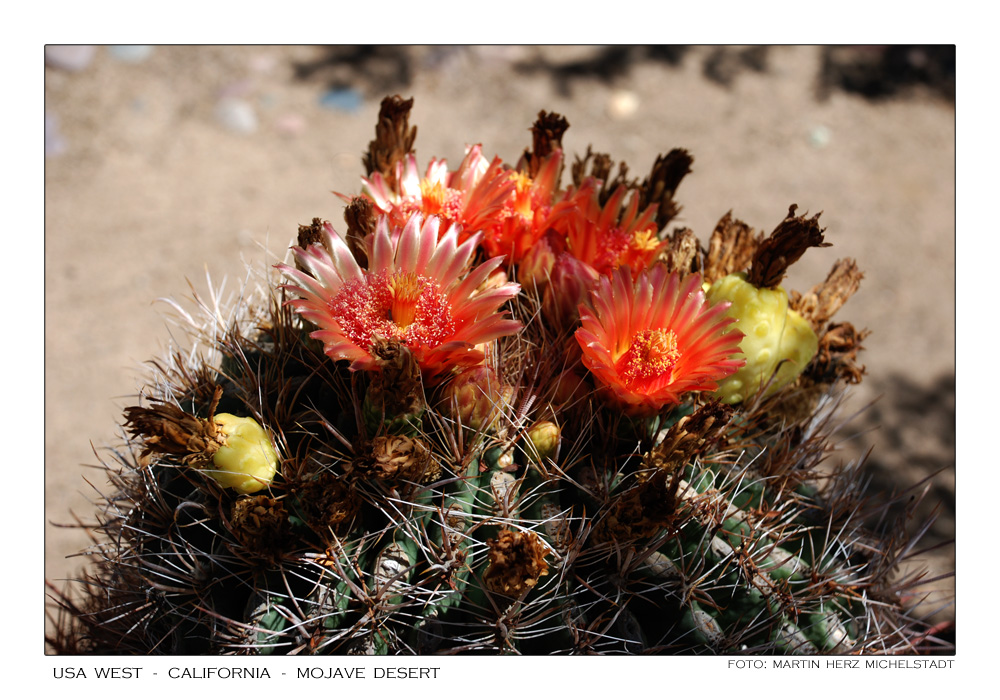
[[181, 162]]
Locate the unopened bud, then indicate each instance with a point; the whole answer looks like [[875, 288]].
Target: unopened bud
[[569, 282], [535, 267], [544, 437], [478, 398]]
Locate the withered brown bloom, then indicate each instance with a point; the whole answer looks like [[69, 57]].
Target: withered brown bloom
[[517, 561], [260, 524]]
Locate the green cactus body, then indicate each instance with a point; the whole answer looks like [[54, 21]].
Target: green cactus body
[[449, 535], [777, 341], [737, 567], [333, 595], [267, 621], [377, 422]]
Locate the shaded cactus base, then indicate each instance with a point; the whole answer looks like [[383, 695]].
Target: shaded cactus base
[[699, 531]]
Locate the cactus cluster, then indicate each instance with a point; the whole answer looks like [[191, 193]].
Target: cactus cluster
[[568, 431]]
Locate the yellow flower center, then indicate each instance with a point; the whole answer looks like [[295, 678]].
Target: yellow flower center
[[651, 356], [438, 200], [521, 203], [645, 241], [405, 290]]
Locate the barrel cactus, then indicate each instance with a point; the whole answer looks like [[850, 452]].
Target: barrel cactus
[[496, 414]]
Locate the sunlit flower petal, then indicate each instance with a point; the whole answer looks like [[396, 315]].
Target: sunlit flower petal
[[532, 209], [471, 197]]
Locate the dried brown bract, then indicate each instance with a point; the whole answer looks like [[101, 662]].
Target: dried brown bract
[[394, 139], [682, 253], [361, 221], [394, 459], [328, 504], [824, 300], [837, 357], [313, 234], [642, 510], [689, 436], [786, 244], [546, 138], [600, 166], [665, 177], [730, 249], [651, 504], [396, 387], [517, 561], [260, 524], [167, 429]]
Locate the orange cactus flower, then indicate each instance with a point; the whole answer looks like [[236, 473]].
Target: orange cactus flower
[[472, 196], [651, 340], [417, 289], [606, 238], [529, 212]]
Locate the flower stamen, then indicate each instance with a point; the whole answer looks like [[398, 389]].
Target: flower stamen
[[401, 305], [438, 199], [651, 355]]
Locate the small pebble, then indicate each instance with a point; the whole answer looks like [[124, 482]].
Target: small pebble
[[623, 104], [55, 144], [236, 115], [130, 53], [70, 57], [342, 100], [262, 63], [290, 124], [819, 136]]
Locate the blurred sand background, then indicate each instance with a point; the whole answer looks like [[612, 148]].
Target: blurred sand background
[[168, 162]]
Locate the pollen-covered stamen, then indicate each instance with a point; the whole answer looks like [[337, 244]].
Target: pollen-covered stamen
[[615, 245], [401, 305], [405, 290], [651, 356], [520, 203], [645, 241], [440, 200], [601, 251]]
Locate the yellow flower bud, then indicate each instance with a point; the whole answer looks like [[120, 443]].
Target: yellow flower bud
[[773, 334], [544, 436], [246, 461]]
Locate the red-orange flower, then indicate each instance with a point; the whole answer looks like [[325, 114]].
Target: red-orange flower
[[589, 240], [651, 340], [529, 212], [472, 196], [415, 290], [607, 237]]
